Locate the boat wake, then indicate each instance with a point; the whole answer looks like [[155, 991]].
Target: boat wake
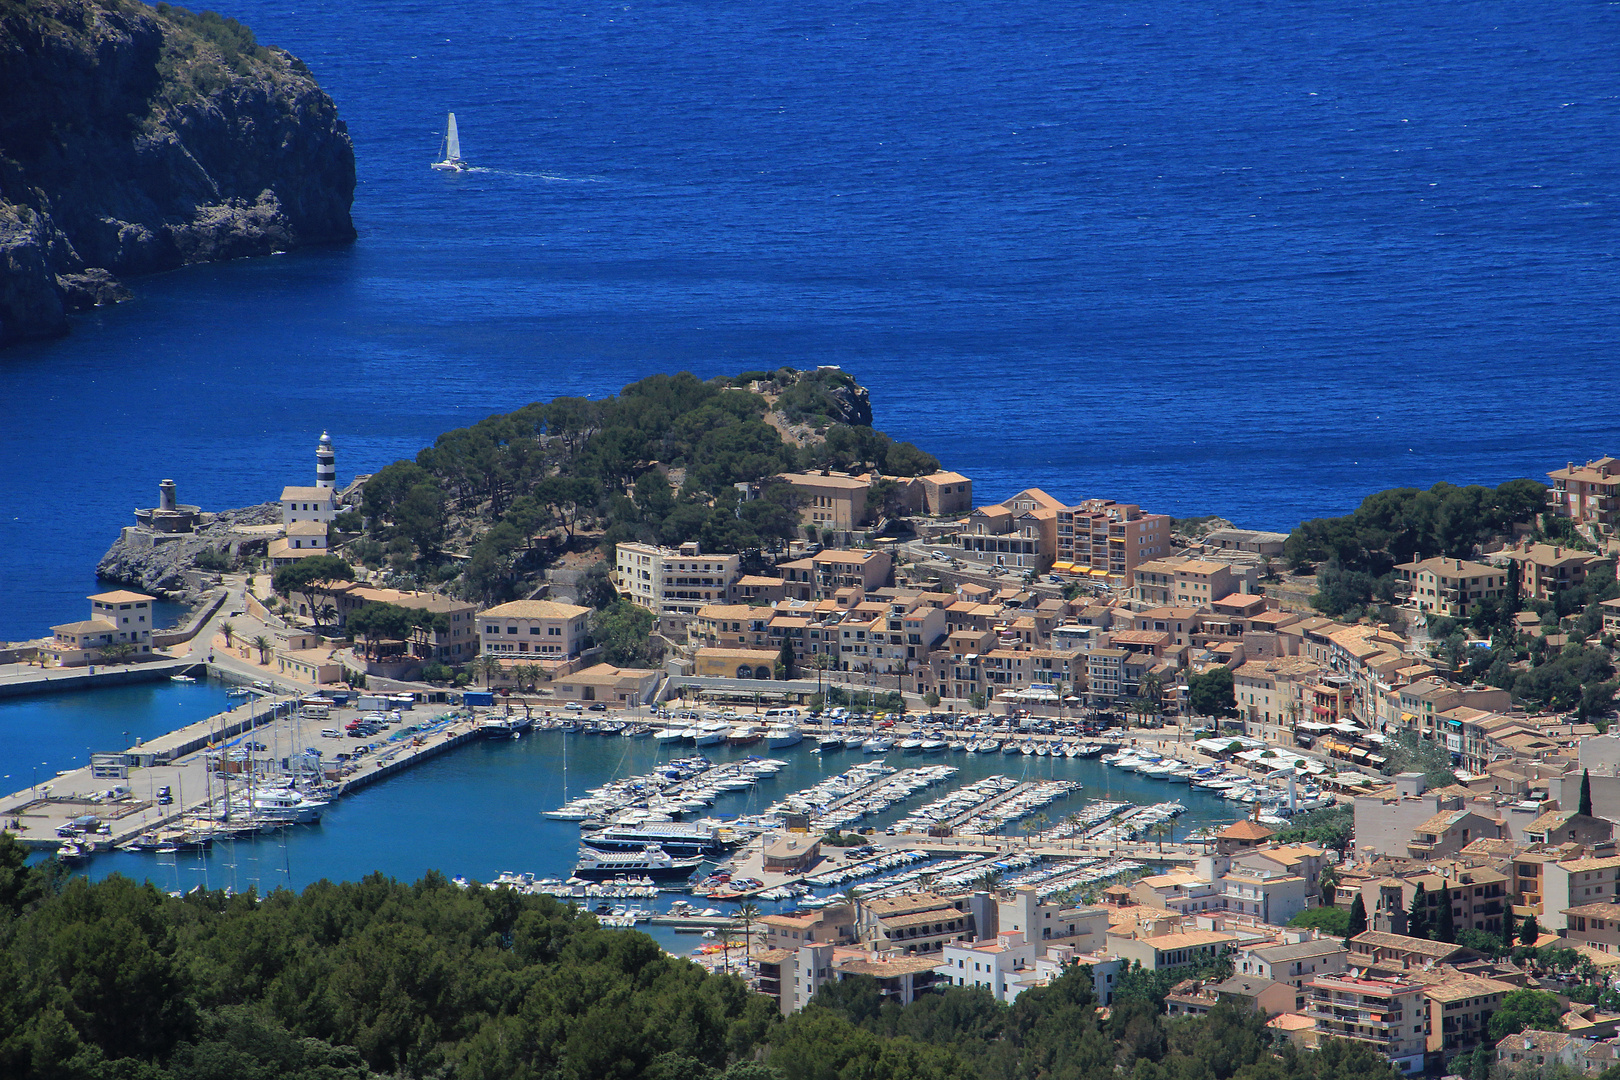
[[539, 175]]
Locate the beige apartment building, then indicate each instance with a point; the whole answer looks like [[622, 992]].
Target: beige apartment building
[[674, 582], [1586, 493], [454, 640], [1387, 1014], [821, 576], [535, 629], [1019, 533], [1103, 538], [834, 501], [1548, 569], [1451, 587]]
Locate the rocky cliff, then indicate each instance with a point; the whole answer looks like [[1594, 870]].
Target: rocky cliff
[[170, 565], [137, 139]]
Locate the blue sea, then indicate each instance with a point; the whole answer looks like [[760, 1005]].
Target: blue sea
[[1242, 258]]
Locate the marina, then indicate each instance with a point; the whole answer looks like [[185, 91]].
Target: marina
[[491, 805]]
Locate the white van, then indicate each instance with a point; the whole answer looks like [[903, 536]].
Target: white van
[[781, 714]]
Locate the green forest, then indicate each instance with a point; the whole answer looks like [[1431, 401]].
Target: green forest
[[119, 981], [511, 491]]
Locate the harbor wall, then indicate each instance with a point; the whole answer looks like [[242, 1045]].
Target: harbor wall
[[60, 680]]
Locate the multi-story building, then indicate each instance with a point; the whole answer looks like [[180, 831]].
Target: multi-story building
[[1574, 883], [1451, 586], [921, 922], [537, 629], [1545, 570], [675, 582], [835, 501], [1293, 964], [451, 637], [1004, 966], [945, 493], [1540, 1051], [1019, 533], [1102, 537], [308, 504], [116, 618], [1459, 1007], [825, 573], [1388, 1014], [1270, 694], [1594, 926], [1586, 494]]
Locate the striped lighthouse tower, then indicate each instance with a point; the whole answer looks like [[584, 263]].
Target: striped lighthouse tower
[[325, 463]]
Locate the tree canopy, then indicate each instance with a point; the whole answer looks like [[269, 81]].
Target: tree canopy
[[658, 463], [1211, 694], [116, 980]]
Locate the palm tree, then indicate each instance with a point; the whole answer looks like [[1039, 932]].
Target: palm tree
[[487, 666], [264, 645], [1159, 830], [325, 613], [116, 652], [821, 662], [1033, 825], [747, 912], [227, 628], [989, 881], [1076, 823]]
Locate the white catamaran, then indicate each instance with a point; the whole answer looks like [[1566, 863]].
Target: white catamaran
[[451, 149]]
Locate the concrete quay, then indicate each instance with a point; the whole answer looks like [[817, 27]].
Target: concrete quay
[[21, 680], [130, 806]]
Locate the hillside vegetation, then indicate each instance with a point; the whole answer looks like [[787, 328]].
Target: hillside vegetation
[[119, 981], [660, 462]]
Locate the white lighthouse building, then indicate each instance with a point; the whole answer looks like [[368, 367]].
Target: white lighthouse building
[[325, 463], [318, 503]]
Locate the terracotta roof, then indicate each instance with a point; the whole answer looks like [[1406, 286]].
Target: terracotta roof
[[535, 609], [1245, 830]]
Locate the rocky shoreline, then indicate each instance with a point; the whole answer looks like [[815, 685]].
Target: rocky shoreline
[[183, 567], [135, 140]]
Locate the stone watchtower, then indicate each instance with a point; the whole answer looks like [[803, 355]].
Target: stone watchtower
[[168, 517]]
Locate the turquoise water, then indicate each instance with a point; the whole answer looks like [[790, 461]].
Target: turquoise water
[[475, 812], [42, 735]]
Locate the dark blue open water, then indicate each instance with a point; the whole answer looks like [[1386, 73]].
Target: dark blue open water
[[1243, 258], [1239, 258]]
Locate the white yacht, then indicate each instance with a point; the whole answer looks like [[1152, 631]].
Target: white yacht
[[778, 736]]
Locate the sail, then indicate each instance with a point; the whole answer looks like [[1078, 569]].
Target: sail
[[452, 141]]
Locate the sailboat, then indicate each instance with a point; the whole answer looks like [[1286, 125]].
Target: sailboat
[[451, 149]]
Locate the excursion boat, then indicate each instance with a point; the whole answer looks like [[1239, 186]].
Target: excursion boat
[[743, 735], [651, 862], [779, 736], [682, 839]]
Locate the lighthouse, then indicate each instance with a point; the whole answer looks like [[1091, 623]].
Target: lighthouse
[[325, 463]]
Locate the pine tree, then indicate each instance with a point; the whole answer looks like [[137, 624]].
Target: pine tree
[[1358, 918], [786, 660], [1445, 926], [1586, 793], [1417, 917], [1529, 930]]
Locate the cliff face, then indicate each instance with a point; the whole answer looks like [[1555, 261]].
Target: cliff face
[[135, 139]]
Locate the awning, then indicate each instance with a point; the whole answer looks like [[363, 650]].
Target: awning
[[1063, 566], [1099, 573]]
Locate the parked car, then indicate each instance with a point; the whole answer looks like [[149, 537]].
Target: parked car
[[600, 706]]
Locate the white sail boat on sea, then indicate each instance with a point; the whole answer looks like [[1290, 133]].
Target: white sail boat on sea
[[450, 150]]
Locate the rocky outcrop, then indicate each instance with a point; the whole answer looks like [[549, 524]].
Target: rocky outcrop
[[180, 566], [134, 140]]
